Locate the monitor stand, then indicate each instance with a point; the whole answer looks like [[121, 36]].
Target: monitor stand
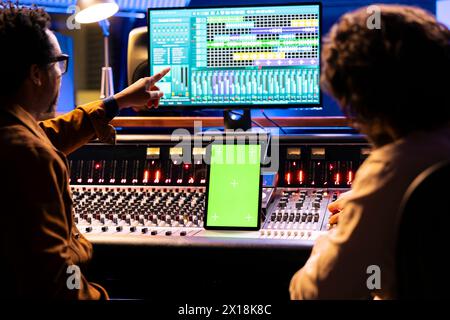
[[237, 119]]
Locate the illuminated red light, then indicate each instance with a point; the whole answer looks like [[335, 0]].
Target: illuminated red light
[[186, 166], [337, 180], [180, 181], [191, 180], [300, 176], [157, 176], [288, 178], [146, 176], [350, 177], [97, 166], [331, 167]]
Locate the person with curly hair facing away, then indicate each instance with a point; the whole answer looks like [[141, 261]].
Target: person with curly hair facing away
[[392, 84]]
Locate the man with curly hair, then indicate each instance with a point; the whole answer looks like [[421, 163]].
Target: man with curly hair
[[41, 247], [392, 83]]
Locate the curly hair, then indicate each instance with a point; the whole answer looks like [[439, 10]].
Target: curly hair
[[395, 76], [23, 42]]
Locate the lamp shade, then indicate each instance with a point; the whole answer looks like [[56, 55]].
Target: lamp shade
[[95, 10]]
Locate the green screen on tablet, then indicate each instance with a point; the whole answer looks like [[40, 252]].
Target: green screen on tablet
[[234, 189]]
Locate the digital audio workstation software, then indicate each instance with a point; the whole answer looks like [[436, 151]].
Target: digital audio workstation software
[[237, 55]]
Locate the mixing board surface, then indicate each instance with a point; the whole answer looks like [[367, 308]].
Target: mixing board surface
[[142, 208], [149, 212]]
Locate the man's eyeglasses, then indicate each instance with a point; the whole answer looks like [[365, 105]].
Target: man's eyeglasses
[[63, 62]]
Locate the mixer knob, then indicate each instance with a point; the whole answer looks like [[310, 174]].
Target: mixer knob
[[281, 204], [316, 217], [105, 228], [132, 229], [168, 233], [119, 228], [144, 230], [316, 204], [88, 229], [183, 233], [154, 232]]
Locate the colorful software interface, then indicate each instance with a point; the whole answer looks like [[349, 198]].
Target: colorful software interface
[[234, 186], [244, 55]]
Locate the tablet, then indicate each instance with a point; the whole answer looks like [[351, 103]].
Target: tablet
[[233, 193]]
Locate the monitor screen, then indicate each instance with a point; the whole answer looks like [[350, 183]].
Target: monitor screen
[[238, 56], [234, 187]]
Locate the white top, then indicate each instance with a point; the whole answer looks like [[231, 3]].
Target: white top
[[367, 230]]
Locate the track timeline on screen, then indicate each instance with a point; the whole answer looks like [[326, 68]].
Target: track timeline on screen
[[243, 56]]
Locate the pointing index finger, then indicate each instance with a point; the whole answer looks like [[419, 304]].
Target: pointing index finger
[[156, 77]]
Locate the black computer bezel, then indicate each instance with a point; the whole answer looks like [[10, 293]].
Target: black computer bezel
[[205, 217], [307, 106]]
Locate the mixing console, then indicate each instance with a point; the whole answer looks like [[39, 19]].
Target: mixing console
[[143, 210], [147, 212], [141, 192]]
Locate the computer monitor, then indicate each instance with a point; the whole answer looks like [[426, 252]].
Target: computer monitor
[[238, 56]]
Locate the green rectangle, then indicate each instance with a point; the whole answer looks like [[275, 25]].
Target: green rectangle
[[234, 186]]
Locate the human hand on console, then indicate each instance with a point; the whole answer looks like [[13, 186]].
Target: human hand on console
[[336, 206], [143, 94]]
